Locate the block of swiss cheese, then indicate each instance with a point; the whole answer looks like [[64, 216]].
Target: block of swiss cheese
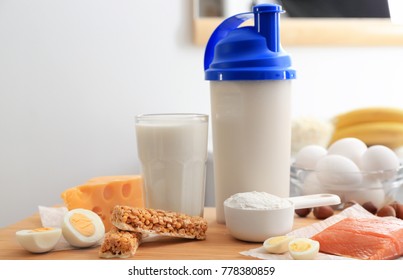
[[101, 194]]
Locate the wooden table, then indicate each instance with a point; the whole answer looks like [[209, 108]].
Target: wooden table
[[219, 245]]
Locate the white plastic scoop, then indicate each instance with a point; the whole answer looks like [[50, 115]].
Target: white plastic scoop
[[314, 200], [257, 224]]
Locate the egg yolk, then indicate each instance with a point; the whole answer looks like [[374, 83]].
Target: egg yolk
[[277, 239], [82, 224], [41, 229], [300, 246]]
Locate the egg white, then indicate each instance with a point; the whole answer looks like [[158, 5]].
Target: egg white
[[308, 253], [39, 241], [277, 244]]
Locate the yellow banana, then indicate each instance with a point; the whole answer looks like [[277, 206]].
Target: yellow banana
[[389, 134], [368, 115]]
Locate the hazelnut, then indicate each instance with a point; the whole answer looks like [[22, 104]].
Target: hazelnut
[[303, 212], [386, 211], [349, 204], [323, 212], [398, 209], [370, 207]]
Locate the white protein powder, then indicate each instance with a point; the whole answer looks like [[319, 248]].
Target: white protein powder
[[257, 200]]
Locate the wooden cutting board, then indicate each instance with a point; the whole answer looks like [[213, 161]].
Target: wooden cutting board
[[218, 245]]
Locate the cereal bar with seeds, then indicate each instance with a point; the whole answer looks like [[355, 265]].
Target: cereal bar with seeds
[[164, 223], [119, 244]]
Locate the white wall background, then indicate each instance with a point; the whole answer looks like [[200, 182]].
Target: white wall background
[[74, 73]]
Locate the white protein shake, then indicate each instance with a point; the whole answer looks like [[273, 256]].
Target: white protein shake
[[173, 151], [250, 88], [251, 124]]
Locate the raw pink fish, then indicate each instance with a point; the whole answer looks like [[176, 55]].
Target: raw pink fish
[[363, 238]]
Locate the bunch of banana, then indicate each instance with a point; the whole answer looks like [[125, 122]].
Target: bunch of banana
[[373, 125]]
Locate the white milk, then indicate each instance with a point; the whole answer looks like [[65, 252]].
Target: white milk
[[173, 154], [251, 124]]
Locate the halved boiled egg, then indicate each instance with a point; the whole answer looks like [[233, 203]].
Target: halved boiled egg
[[39, 240], [82, 228], [277, 244], [303, 248]]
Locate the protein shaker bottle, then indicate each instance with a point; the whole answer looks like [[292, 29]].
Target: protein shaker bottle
[[250, 83]]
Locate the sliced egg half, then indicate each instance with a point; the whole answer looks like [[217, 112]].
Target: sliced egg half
[[39, 240], [277, 244], [303, 248], [82, 228]]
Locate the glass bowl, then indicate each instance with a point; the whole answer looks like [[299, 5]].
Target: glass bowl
[[380, 187]]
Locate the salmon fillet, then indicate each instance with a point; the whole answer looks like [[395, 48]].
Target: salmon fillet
[[363, 238]]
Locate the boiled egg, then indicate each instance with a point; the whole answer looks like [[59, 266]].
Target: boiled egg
[[39, 240], [350, 147], [303, 248], [277, 244], [82, 228]]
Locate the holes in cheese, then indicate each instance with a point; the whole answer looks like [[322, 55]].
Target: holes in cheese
[[101, 194], [126, 190], [108, 192]]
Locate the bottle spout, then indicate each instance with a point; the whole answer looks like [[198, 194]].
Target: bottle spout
[[267, 24]]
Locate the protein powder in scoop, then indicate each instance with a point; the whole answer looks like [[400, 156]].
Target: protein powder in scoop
[[257, 200], [255, 216]]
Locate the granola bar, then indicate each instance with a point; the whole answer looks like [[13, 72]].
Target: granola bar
[[119, 244], [165, 223]]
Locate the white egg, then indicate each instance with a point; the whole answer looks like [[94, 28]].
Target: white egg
[[308, 156], [376, 196], [277, 244], [303, 248], [351, 148], [39, 240], [311, 185], [380, 158], [82, 228], [338, 171]]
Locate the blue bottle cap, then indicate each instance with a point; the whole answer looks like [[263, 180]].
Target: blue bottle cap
[[250, 52]]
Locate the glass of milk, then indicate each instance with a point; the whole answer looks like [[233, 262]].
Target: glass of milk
[[172, 149]]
